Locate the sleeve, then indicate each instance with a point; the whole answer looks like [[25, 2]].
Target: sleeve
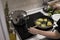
[[58, 29]]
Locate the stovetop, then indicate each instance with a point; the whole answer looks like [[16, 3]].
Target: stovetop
[[24, 34], [22, 30]]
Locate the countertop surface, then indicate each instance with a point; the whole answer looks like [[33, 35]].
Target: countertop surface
[[38, 36]]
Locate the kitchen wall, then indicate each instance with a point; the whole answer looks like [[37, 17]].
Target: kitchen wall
[[23, 4], [3, 28]]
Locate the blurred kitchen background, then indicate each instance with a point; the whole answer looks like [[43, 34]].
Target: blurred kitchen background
[[27, 5], [23, 4]]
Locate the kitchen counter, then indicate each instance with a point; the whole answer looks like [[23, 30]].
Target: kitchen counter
[[38, 36], [36, 10]]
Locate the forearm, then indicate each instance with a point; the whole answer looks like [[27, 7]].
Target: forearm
[[54, 35], [52, 2], [48, 34]]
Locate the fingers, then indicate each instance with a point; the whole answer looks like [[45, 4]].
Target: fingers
[[32, 30], [29, 29], [36, 25]]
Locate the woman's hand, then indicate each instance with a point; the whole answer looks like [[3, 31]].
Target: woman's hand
[[33, 30], [57, 6], [54, 4]]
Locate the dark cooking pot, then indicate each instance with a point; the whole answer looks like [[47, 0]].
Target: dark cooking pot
[[47, 28]]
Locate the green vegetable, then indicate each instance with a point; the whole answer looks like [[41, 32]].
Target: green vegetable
[[49, 14], [51, 10], [57, 12]]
